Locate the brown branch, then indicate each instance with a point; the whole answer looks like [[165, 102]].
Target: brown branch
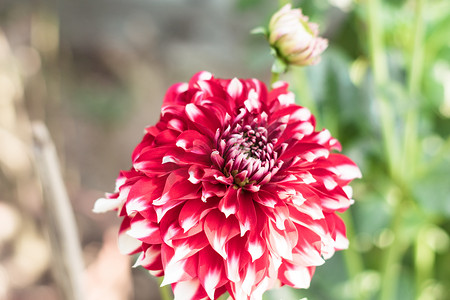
[[68, 262]]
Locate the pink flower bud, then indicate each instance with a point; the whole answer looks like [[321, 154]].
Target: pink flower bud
[[294, 38]]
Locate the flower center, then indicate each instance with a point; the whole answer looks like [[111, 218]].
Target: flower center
[[252, 142], [249, 153]]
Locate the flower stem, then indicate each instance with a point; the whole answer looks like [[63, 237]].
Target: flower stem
[[165, 291], [414, 81], [352, 257], [275, 77], [417, 48], [424, 256], [392, 255], [391, 259], [424, 259], [378, 57], [282, 3], [301, 86], [381, 77]]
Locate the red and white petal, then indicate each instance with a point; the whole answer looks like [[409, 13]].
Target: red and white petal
[[188, 290], [343, 167], [307, 151], [296, 276], [103, 205], [338, 231], [211, 271], [161, 211], [203, 122], [256, 245], [212, 190], [173, 92], [235, 88], [312, 205], [281, 242], [318, 226], [229, 204], [246, 214], [150, 259], [177, 270], [266, 198], [249, 279], [253, 274], [334, 200], [196, 174], [126, 243], [194, 141], [187, 247], [202, 75], [307, 251], [219, 230], [177, 187], [192, 212], [143, 193], [252, 104], [170, 229], [279, 214], [144, 230], [235, 258]]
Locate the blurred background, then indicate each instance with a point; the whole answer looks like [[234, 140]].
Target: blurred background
[[95, 73]]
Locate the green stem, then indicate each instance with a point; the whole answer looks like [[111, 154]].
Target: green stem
[[424, 256], [417, 48], [275, 77], [424, 260], [378, 57], [282, 3], [165, 291], [390, 140], [414, 81], [225, 296], [352, 257], [301, 87], [381, 77], [391, 260]]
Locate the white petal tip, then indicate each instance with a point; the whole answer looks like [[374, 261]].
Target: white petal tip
[[103, 205]]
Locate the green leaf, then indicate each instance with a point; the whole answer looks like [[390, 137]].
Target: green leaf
[[260, 30], [274, 52], [432, 191], [279, 66]]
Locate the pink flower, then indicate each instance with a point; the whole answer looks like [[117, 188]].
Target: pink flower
[[232, 190], [295, 40]]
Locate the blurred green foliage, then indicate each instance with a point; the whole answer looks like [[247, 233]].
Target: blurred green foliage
[[100, 102], [395, 127], [400, 223]]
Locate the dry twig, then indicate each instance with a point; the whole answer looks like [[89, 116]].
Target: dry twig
[[68, 263]]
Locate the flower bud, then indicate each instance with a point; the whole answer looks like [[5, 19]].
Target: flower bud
[[295, 40]]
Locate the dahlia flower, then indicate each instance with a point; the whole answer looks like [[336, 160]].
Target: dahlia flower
[[232, 190], [295, 40]]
